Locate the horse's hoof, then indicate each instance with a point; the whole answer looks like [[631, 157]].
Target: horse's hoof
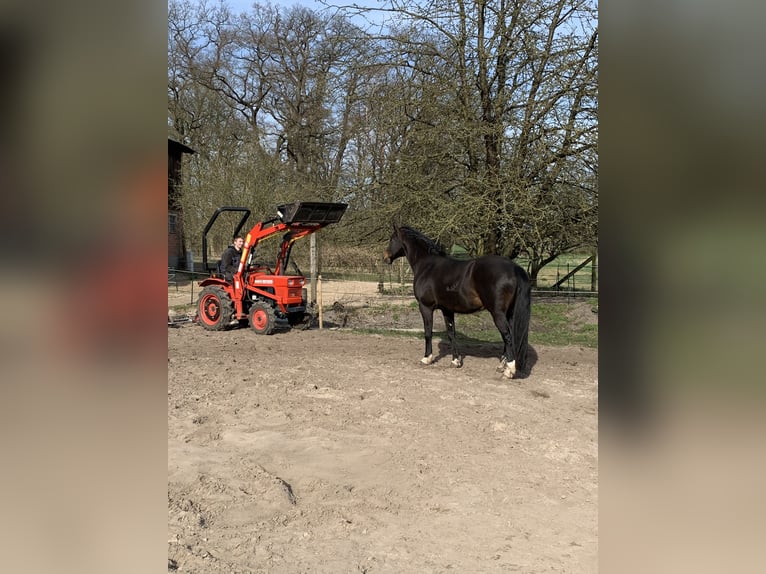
[[510, 370], [457, 363], [427, 360], [501, 366]]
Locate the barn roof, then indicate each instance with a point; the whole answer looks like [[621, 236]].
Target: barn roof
[[174, 146]]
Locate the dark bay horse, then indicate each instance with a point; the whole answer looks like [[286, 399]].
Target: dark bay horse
[[454, 286]]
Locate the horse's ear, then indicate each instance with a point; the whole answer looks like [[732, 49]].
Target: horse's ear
[[396, 228]]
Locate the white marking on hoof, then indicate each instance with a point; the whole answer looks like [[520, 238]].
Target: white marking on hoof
[[457, 363], [427, 360], [510, 370]]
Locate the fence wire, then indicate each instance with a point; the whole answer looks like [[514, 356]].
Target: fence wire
[[378, 283]]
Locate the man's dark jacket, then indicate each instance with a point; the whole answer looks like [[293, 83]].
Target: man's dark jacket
[[229, 262]]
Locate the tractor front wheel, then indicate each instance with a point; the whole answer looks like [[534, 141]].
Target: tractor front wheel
[[262, 318], [214, 309]]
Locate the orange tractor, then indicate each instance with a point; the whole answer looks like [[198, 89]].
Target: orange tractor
[[257, 294]]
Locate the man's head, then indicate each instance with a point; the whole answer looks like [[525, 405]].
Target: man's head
[[238, 243]]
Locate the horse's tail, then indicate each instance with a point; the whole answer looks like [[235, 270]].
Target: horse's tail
[[522, 309]]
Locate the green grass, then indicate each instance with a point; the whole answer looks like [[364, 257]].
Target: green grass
[[551, 324]]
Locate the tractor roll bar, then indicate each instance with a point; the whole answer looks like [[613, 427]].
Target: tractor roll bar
[[215, 215]]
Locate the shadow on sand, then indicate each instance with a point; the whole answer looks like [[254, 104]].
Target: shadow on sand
[[470, 347]]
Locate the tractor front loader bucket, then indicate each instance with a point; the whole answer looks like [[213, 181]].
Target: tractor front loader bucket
[[311, 212]]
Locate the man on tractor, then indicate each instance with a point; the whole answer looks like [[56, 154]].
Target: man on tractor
[[244, 291], [230, 259]]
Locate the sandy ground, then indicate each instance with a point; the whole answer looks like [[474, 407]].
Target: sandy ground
[[333, 452]]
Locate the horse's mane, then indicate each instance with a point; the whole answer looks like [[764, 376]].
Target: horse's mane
[[431, 246]]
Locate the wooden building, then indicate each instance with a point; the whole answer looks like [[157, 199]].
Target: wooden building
[[176, 247]]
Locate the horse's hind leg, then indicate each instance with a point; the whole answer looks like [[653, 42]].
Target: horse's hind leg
[[449, 321], [507, 361], [428, 327]]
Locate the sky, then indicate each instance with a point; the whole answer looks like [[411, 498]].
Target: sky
[[244, 5], [238, 6]]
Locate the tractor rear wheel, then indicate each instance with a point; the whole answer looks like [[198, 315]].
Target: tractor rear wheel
[[214, 309], [262, 318]]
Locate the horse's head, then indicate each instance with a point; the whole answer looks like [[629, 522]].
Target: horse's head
[[395, 247]]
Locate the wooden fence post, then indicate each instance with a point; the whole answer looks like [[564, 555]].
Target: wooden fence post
[[593, 273], [319, 299]]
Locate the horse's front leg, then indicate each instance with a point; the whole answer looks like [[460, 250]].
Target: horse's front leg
[[449, 321], [428, 328]]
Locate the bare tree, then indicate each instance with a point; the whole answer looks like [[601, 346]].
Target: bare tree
[[475, 120], [505, 117]]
